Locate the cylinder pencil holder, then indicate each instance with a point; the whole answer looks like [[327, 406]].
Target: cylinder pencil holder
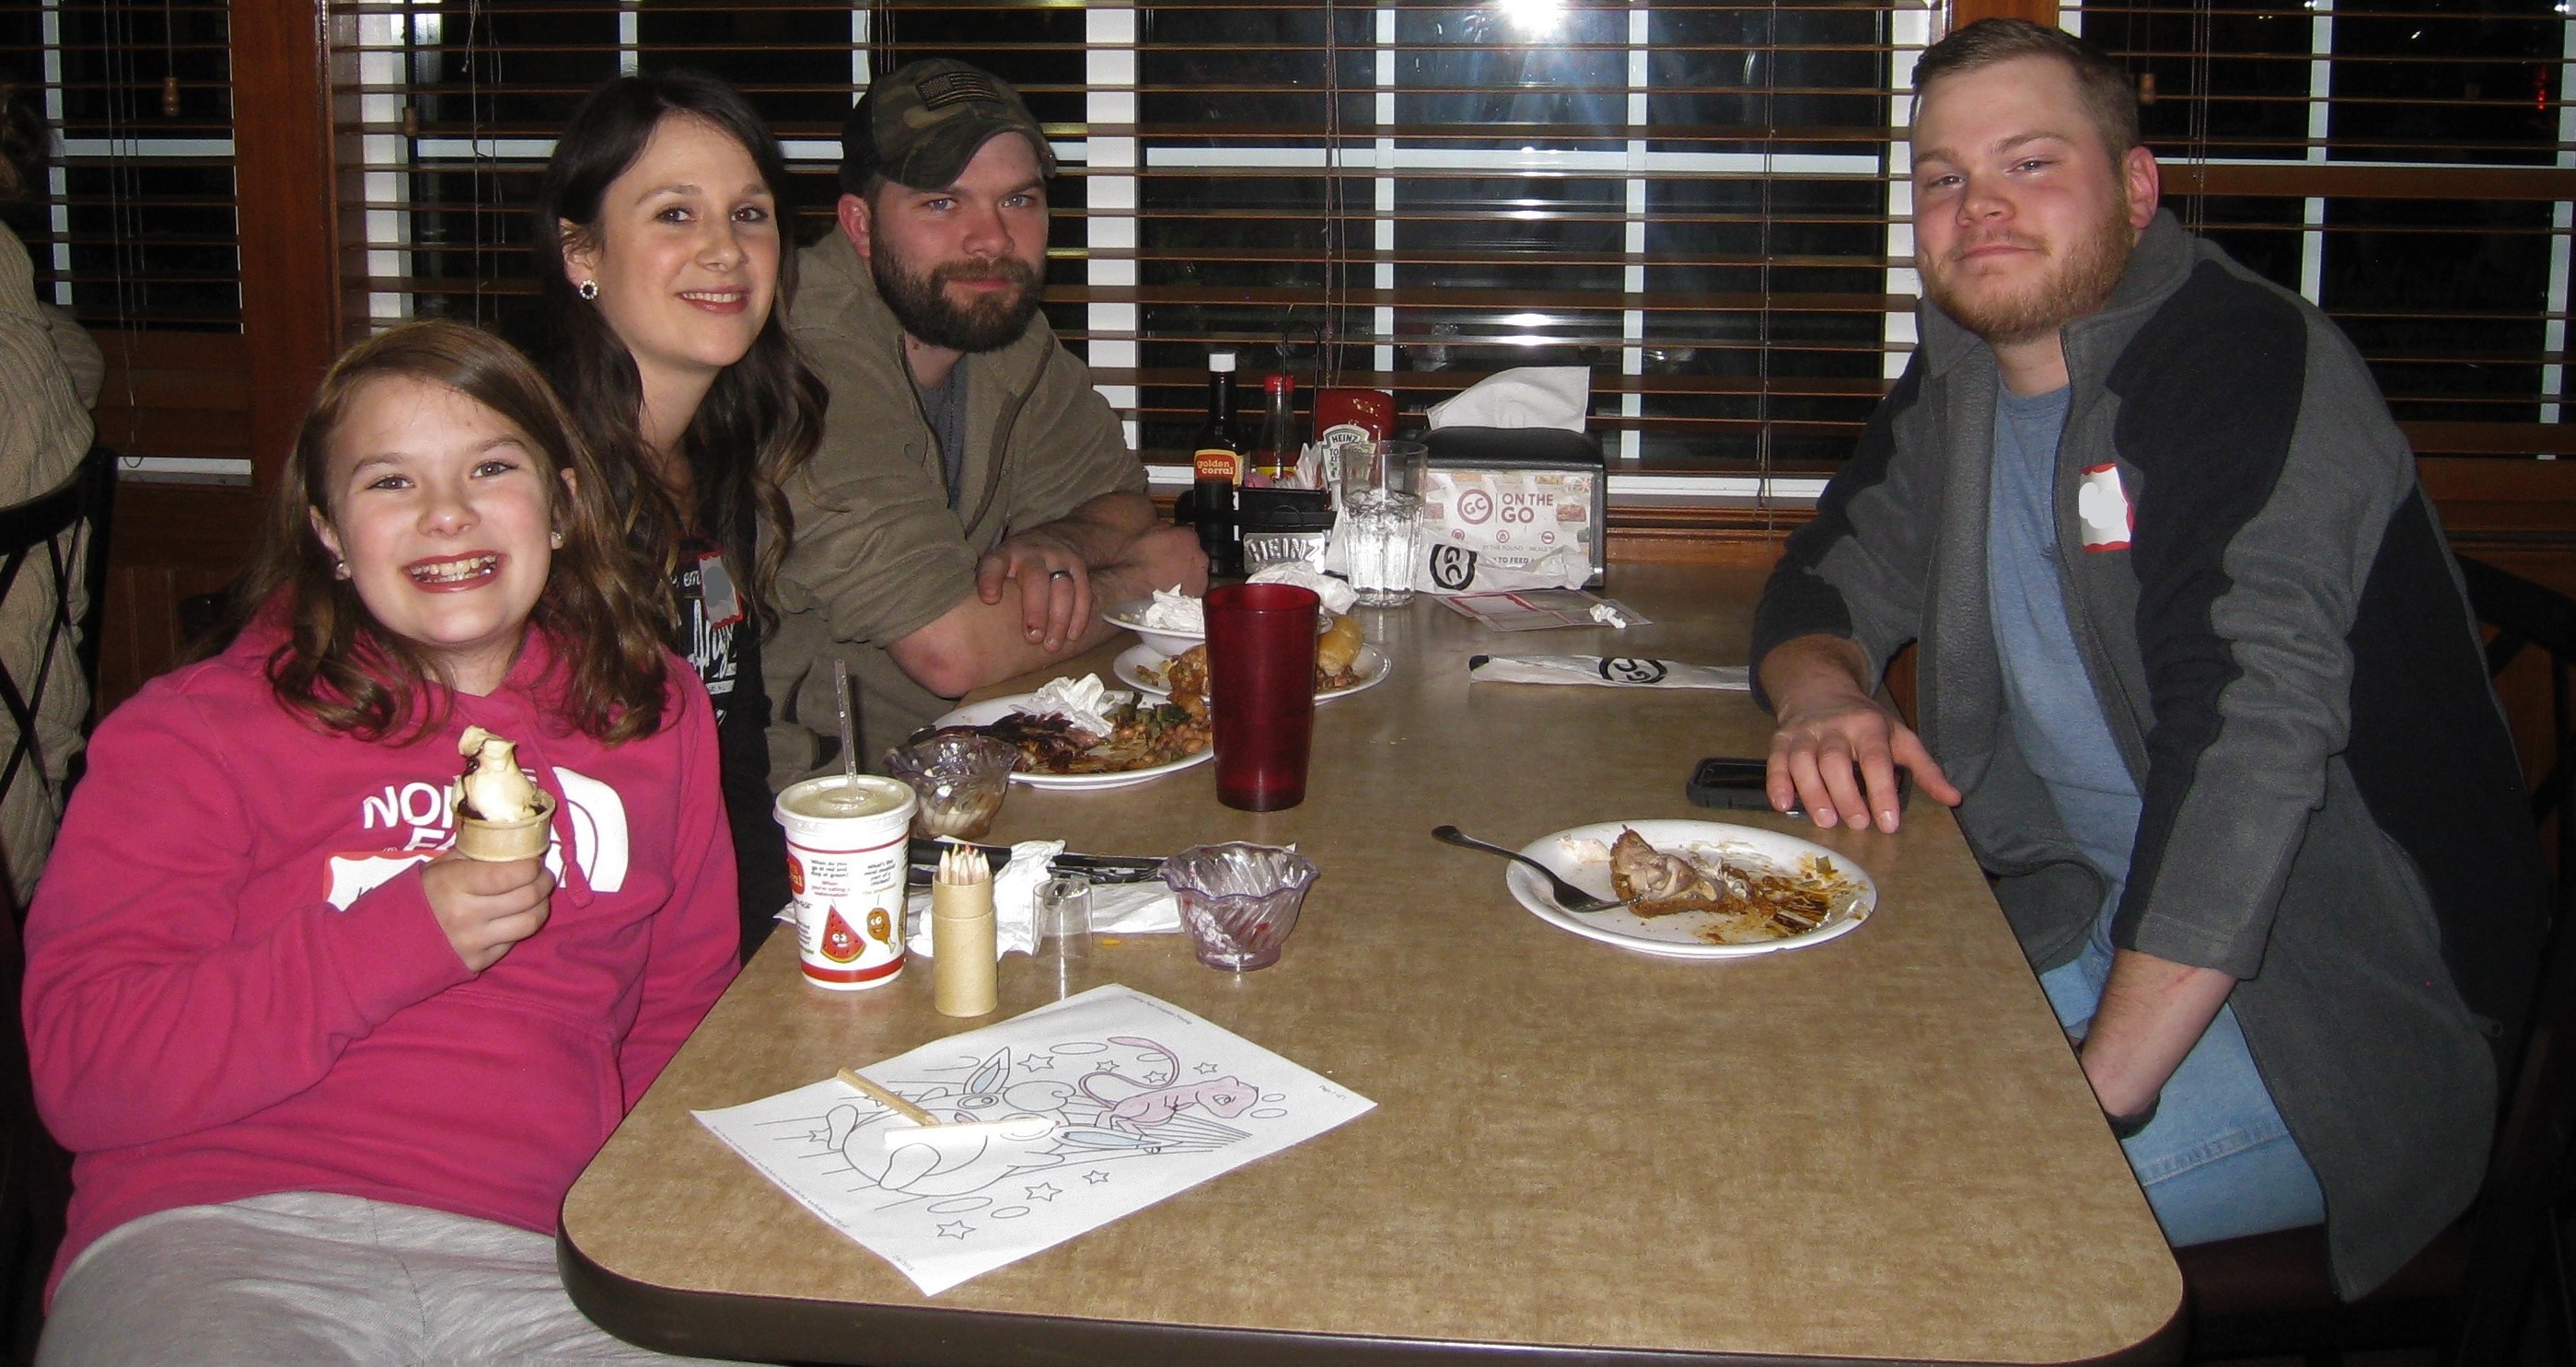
[[963, 978]]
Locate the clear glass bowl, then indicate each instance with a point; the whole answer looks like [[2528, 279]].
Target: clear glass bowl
[[959, 779], [1239, 901]]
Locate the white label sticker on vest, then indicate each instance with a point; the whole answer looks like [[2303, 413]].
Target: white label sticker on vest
[[2104, 507]]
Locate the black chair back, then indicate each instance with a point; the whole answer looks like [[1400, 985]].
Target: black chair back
[[34, 545], [2517, 1234], [35, 1175]]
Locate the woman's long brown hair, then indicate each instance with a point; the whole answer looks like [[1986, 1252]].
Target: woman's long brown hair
[[345, 672], [764, 413]]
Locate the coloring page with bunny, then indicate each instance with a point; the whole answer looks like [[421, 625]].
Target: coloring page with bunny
[[1086, 1110]]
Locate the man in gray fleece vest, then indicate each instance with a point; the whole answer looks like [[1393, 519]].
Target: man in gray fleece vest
[[2196, 670]]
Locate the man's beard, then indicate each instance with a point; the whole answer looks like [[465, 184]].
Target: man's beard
[[920, 302], [2077, 288]]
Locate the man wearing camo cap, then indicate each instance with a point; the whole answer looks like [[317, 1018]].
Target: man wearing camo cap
[[973, 497]]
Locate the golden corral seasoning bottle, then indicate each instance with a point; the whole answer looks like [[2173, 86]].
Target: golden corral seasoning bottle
[[1217, 471]]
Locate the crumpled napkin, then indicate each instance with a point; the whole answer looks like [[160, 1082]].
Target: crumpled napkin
[[1530, 396], [1116, 908], [1338, 595]]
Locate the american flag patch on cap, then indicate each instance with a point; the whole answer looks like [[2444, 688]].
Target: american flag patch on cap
[[957, 87]]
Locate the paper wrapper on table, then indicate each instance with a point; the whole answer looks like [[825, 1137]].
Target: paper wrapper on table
[[1608, 671], [1146, 908], [1498, 530], [503, 842]]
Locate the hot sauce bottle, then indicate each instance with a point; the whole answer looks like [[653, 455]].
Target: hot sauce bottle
[[1276, 457], [1217, 466]]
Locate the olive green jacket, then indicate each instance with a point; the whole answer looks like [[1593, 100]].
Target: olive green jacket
[[878, 554]]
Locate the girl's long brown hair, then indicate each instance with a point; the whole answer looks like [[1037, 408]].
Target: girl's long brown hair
[[764, 413], [345, 672]]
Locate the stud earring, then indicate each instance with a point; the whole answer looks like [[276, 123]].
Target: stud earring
[[339, 569], [587, 289], [555, 539]]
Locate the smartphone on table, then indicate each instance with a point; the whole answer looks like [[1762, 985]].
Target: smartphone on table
[[1732, 782]]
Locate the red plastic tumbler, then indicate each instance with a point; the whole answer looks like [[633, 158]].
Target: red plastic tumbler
[[1261, 687]]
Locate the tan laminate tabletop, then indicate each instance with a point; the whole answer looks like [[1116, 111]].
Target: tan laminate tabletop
[[1875, 1148]]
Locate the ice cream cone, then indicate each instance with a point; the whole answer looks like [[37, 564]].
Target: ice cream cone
[[499, 842]]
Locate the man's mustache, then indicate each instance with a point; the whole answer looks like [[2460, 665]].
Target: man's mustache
[[1001, 267], [1959, 252]]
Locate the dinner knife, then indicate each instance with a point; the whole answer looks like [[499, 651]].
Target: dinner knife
[[924, 851]]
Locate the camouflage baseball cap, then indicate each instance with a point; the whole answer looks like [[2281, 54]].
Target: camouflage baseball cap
[[920, 125]]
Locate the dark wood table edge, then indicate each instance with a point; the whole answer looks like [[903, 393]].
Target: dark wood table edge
[[783, 1329]]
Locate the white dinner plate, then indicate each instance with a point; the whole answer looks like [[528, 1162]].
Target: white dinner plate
[[1572, 855], [1140, 667], [994, 709]]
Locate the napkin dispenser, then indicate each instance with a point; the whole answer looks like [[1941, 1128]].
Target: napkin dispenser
[[1516, 490], [1283, 526]]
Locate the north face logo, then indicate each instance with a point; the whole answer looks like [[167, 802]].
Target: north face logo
[[601, 846]]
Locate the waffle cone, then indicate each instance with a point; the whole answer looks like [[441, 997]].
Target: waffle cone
[[500, 842]]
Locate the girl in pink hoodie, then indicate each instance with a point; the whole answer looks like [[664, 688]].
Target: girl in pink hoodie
[[327, 1081]]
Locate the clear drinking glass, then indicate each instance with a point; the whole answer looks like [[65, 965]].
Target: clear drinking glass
[[1383, 540], [1064, 930], [1381, 483]]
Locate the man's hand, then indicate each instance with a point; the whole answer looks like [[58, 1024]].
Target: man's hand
[[1837, 747], [1164, 557], [1054, 580], [987, 638], [486, 908]]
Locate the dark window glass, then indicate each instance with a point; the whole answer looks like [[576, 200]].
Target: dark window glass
[[2444, 298], [506, 68], [1752, 80], [2443, 81], [2229, 76], [794, 65], [154, 246]]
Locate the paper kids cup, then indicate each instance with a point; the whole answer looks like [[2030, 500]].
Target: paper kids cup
[[845, 861]]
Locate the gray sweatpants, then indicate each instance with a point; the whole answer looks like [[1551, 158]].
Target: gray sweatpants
[[302, 1277]]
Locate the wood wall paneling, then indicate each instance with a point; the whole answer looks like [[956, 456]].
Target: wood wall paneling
[[289, 228], [174, 394], [179, 394], [170, 541]]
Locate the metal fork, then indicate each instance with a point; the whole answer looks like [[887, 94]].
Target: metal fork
[[1568, 896]]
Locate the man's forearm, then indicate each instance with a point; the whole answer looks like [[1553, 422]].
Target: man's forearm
[[1805, 667], [977, 643], [1101, 530], [2151, 1014]]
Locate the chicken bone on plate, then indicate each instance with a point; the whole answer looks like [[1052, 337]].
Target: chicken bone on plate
[[1686, 877]]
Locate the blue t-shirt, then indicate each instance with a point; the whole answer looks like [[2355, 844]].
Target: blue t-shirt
[[2056, 718]]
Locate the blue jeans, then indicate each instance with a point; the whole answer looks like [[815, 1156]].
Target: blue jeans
[[2216, 1163]]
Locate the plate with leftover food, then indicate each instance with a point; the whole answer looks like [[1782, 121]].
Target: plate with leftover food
[[1151, 740], [1147, 670], [1698, 889]]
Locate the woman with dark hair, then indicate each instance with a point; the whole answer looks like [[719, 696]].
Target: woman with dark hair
[[661, 265]]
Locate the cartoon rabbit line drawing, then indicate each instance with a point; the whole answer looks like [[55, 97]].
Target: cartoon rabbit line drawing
[[1067, 1124]]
